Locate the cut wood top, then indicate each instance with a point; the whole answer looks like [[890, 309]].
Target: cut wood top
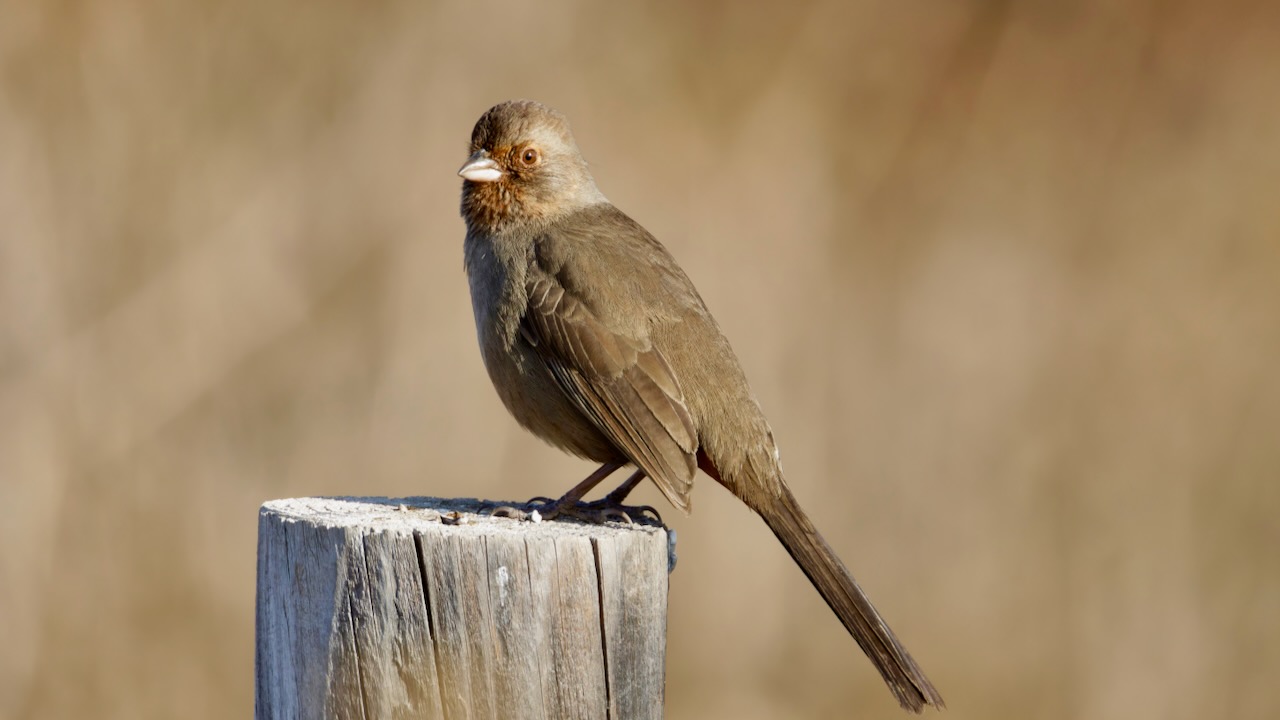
[[456, 515]]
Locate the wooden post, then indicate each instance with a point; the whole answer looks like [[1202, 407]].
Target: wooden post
[[425, 608]]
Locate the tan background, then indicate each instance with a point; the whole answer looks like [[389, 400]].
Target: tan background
[[1006, 277]]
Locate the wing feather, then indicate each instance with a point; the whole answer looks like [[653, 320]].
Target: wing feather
[[622, 384]]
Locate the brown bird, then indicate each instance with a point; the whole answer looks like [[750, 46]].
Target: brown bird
[[598, 343]]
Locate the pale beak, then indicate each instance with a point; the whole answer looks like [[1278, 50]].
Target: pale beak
[[480, 168]]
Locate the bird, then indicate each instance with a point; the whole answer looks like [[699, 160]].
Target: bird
[[598, 343]]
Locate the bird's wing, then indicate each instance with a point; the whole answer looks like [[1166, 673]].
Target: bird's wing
[[623, 384]]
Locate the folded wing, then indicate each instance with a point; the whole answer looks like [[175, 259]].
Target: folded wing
[[623, 384]]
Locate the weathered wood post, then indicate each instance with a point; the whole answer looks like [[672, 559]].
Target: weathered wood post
[[426, 608]]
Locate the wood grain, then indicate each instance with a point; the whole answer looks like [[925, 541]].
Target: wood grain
[[427, 608]]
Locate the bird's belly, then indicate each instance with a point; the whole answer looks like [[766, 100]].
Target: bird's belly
[[533, 397], [521, 378]]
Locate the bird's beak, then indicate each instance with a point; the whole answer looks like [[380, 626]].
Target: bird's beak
[[480, 168]]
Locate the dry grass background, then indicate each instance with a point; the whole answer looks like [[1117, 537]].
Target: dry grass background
[[1005, 275]]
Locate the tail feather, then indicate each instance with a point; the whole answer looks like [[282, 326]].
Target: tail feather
[[812, 553]]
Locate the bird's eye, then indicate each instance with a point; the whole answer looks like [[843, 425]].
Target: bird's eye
[[529, 157]]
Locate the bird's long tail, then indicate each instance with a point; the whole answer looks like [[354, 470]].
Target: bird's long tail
[[812, 553]]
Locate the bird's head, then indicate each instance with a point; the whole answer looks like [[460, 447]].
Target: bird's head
[[524, 169]]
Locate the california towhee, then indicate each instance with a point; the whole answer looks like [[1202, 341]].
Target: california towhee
[[598, 343]]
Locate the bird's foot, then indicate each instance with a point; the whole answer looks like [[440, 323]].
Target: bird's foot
[[598, 512], [604, 510]]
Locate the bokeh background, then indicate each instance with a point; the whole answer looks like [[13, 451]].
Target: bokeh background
[[1005, 276]]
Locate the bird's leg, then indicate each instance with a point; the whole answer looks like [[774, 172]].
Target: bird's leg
[[569, 499], [611, 505], [608, 508], [621, 492]]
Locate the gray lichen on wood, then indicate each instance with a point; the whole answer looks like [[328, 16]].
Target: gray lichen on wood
[[427, 608]]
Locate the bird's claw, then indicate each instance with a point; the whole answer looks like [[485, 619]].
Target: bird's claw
[[611, 508]]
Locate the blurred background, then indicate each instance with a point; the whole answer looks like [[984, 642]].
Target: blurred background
[[1005, 276]]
